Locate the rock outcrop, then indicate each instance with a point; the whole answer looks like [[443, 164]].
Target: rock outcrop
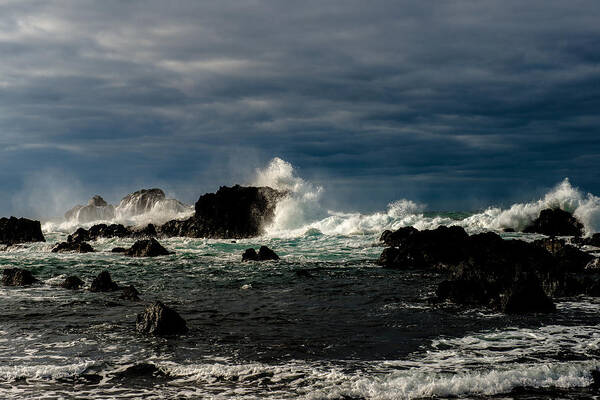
[[158, 319], [20, 230], [508, 275], [17, 277], [147, 248], [130, 293], [264, 254], [72, 283], [556, 222], [96, 210], [232, 212], [103, 283], [73, 247]]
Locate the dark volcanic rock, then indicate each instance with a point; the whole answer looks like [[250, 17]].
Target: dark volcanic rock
[[100, 231], [158, 319], [148, 231], [130, 293], [141, 373], [396, 238], [250, 255], [264, 254], [119, 250], [103, 283], [20, 230], [526, 296], [17, 277], [76, 247], [147, 248], [72, 282], [555, 222], [231, 212], [569, 258]]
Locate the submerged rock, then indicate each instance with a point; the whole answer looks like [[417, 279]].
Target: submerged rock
[[20, 230], [17, 277], [103, 283], [230, 213], [556, 222], [76, 247], [264, 254], [158, 319], [147, 248], [140, 372], [130, 293], [72, 282]]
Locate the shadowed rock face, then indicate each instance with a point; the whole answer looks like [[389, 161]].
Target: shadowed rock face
[[158, 319], [73, 247], [20, 230], [556, 222], [17, 277], [264, 254], [103, 283], [231, 212], [147, 248], [72, 282]]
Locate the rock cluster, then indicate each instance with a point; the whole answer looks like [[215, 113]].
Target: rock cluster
[[507, 275], [264, 254]]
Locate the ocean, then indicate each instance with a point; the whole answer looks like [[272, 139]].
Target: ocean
[[323, 322]]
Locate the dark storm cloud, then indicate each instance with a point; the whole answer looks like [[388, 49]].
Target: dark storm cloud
[[379, 100]]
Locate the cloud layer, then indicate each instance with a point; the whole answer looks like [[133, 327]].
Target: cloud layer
[[456, 104]]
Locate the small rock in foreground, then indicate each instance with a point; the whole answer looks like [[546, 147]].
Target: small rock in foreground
[[17, 277], [264, 254], [147, 248], [130, 293], [103, 283], [72, 282], [76, 247], [158, 319]]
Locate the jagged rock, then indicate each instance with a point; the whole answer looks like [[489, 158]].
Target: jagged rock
[[108, 231], [147, 248], [556, 222], [158, 319], [593, 265], [148, 231], [20, 230], [250, 255], [396, 238], [97, 209], [526, 296], [569, 258], [231, 212], [264, 254], [17, 277], [72, 282], [103, 283], [76, 247], [119, 250], [130, 293], [140, 202]]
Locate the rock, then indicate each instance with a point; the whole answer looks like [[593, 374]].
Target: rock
[[556, 222], [17, 277], [569, 258], [96, 210], [264, 254], [230, 213], [80, 235], [119, 250], [76, 247], [250, 255], [20, 230], [143, 373], [72, 282], [465, 292], [108, 231], [593, 265], [140, 202], [147, 248], [148, 231], [526, 296], [103, 283], [130, 293], [158, 319], [396, 238]]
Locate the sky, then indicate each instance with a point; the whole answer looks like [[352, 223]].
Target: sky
[[455, 104]]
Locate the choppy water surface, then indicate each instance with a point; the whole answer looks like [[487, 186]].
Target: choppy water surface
[[322, 323]]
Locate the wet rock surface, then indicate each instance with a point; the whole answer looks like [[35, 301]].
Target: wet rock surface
[[147, 248], [17, 277], [20, 230], [73, 247], [72, 283], [103, 283], [264, 254], [556, 222], [160, 320]]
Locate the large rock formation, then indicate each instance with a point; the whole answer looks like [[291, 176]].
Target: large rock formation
[[110, 231], [231, 212], [507, 275], [17, 277], [20, 230], [556, 222], [96, 210], [147, 248], [146, 200], [158, 319]]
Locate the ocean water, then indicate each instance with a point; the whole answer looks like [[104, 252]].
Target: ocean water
[[324, 322]]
